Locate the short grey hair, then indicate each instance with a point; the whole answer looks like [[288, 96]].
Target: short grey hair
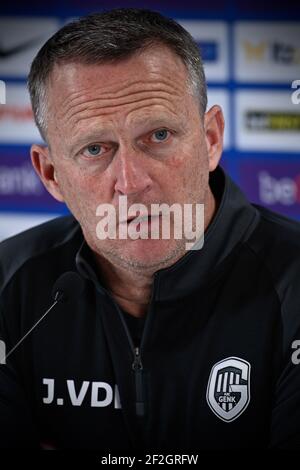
[[112, 36]]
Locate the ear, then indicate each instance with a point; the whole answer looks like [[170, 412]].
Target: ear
[[43, 165], [214, 132]]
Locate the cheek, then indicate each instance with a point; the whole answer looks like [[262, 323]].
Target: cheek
[[187, 175], [190, 162], [79, 192]]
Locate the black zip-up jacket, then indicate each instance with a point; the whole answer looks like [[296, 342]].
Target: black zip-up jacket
[[217, 365]]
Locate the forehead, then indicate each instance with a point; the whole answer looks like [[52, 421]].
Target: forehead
[[155, 68], [151, 81], [151, 63]]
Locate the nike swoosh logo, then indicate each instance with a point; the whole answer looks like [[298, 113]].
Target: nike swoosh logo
[[5, 53]]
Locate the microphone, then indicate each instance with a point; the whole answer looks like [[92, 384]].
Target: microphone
[[65, 285], [63, 288]]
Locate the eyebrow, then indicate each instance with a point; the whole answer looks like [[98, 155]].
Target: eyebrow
[[155, 121], [98, 134]]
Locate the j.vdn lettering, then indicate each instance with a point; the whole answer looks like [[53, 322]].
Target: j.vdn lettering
[[94, 394]]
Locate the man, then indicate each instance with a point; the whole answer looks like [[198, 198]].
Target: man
[[155, 347]]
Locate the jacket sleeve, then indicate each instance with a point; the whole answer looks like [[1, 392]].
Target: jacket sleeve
[[17, 428], [285, 427], [285, 430]]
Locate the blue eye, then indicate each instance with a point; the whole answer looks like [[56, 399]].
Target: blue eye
[[94, 149], [161, 135]]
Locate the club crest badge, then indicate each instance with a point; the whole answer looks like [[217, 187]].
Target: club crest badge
[[228, 390]]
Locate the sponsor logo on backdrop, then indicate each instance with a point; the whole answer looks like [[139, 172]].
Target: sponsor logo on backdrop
[[254, 52], [285, 53], [272, 120], [16, 113], [266, 51], [20, 186], [17, 125], [266, 121], [19, 180], [273, 52], [20, 40], [212, 39], [209, 51], [274, 184]]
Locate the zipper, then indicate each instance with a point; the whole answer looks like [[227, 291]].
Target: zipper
[[137, 367]]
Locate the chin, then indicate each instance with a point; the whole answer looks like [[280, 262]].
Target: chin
[[152, 253]]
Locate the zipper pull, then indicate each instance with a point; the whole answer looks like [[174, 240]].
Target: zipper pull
[[137, 367]]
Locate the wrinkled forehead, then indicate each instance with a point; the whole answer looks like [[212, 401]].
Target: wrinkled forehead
[[154, 79], [156, 66]]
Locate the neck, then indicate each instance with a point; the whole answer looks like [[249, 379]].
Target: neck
[[131, 289]]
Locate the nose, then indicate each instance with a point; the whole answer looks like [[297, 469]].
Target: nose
[[131, 172]]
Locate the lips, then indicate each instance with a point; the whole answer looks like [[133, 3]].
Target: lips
[[136, 218]]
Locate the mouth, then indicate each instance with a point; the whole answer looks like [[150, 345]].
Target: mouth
[[143, 223], [138, 219]]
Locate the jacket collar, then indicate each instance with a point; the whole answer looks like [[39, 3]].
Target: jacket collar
[[233, 222]]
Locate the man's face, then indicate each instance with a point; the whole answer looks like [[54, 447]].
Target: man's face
[[127, 128]]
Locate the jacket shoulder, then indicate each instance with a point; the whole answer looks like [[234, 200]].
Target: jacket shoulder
[[276, 244], [34, 242], [276, 234]]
